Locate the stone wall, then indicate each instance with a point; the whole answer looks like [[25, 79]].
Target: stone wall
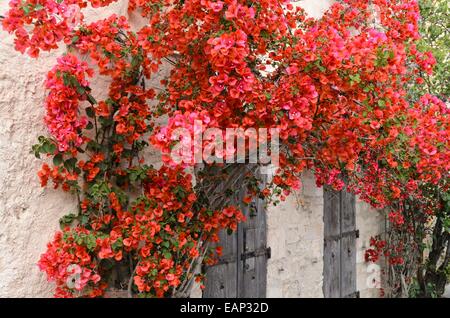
[[29, 214], [296, 236], [370, 222]]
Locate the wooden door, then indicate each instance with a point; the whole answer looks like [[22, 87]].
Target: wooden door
[[241, 271], [340, 234]]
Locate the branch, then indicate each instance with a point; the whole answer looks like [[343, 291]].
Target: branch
[[130, 282]]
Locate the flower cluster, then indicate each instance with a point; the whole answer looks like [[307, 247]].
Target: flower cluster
[[69, 262], [376, 249], [67, 85], [161, 232], [379, 248]]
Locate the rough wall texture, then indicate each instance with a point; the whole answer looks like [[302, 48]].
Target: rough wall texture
[[370, 223], [296, 236], [29, 214]]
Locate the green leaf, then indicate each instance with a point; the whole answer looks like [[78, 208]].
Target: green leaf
[[70, 164], [93, 146], [264, 34], [91, 242], [48, 147], [133, 176], [84, 219], [167, 255], [75, 39], [89, 126], [58, 159], [91, 100], [166, 244], [67, 80], [67, 220], [355, 78], [26, 9], [36, 149], [80, 89], [90, 111]]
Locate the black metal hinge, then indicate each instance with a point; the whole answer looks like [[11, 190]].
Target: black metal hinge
[[339, 236], [232, 258], [259, 252], [356, 294], [225, 260]]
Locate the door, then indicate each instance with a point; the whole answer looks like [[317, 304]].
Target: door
[[241, 271], [340, 234]]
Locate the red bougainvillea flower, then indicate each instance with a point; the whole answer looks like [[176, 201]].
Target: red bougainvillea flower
[[67, 86]]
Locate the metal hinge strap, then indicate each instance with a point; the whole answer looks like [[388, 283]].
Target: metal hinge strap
[[356, 294], [339, 236], [226, 260], [259, 252]]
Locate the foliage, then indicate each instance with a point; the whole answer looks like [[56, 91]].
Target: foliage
[[435, 31], [423, 238]]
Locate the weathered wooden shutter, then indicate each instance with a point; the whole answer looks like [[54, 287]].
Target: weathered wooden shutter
[[242, 270], [339, 274]]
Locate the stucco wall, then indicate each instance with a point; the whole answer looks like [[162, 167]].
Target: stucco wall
[[296, 237], [29, 214], [370, 223]]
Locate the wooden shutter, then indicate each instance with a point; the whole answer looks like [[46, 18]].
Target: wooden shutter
[[221, 279], [242, 270], [340, 234]]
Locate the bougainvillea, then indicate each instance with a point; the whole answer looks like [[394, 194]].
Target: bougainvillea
[[160, 223], [336, 88]]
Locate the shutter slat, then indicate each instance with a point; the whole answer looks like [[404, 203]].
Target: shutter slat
[[242, 273], [340, 235]]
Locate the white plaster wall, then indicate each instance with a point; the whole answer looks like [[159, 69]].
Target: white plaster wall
[[29, 214], [296, 237], [314, 8], [370, 222]]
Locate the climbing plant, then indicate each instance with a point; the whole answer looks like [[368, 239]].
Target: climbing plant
[[336, 88], [423, 239]]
